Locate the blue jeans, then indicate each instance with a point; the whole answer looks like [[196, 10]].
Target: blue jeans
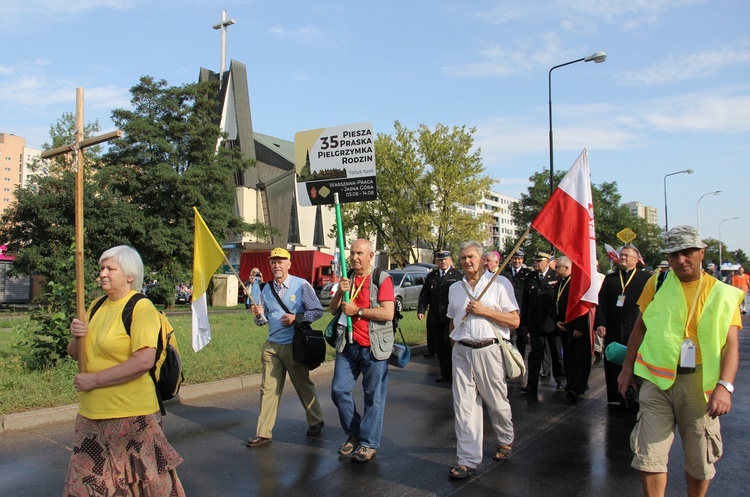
[[354, 360]]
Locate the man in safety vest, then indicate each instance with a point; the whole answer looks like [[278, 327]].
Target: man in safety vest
[[684, 347]]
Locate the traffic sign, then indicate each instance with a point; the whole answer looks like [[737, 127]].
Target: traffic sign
[[626, 235]]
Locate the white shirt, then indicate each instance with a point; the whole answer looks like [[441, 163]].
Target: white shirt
[[500, 297]]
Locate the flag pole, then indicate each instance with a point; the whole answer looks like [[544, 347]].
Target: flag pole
[[340, 237], [247, 291]]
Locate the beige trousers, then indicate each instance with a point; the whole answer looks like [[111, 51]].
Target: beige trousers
[[277, 361], [479, 374]]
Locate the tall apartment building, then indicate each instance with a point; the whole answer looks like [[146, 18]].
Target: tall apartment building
[[643, 211], [14, 155], [498, 205]]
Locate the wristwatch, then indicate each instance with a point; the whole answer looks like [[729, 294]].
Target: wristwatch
[[727, 385], [361, 312]]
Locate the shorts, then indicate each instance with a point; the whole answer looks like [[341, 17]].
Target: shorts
[[683, 405]]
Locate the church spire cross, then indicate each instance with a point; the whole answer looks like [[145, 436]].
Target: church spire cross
[[223, 27]]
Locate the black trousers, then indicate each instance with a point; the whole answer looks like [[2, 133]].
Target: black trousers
[[577, 359], [522, 338], [538, 342], [442, 343]]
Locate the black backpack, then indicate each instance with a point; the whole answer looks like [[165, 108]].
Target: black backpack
[[167, 370]]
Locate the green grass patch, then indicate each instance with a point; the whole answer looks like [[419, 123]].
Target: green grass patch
[[234, 351]]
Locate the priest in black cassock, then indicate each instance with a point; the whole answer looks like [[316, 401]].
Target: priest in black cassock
[[618, 310]]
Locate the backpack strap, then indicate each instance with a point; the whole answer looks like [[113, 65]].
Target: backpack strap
[[127, 312], [96, 306]]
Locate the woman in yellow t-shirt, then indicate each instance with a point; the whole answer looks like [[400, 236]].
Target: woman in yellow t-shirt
[[119, 444]]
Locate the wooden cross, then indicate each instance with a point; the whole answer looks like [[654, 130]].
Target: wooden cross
[[77, 147]]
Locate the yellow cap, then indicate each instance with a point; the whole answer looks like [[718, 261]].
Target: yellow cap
[[279, 253]]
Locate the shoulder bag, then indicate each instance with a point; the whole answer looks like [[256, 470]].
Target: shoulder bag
[[308, 345], [512, 360]]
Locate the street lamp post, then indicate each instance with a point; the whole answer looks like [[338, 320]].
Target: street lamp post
[[698, 208], [597, 58], [666, 217], [720, 261]]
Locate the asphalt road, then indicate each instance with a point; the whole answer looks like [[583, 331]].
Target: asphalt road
[[560, 449]]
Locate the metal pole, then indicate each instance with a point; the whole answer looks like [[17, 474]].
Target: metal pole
[[597, 58], [666, 217], [720, 244], [698, 210]]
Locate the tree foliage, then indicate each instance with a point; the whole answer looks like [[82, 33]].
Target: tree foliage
[[610, 217], [423, 176], [140, 193]]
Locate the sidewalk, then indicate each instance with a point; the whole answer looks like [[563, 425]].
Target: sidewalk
[[51, 416]]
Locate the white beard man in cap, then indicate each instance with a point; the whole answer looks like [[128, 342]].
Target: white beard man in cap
[[276, 356]]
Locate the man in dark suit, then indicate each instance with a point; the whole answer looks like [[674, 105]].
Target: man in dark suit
[[618, 310], [434, 296], [537, 317], [517, 274]]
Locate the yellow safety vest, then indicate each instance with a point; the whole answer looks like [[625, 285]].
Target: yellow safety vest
[[659, 353]]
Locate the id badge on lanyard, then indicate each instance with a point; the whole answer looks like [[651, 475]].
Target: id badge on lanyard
[[687, 349], [687, 354]]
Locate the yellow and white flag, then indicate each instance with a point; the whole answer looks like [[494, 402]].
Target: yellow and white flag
[[207, 257]]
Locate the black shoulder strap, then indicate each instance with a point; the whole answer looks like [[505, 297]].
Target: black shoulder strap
[[660, 279], [96, 307], [278, 299]]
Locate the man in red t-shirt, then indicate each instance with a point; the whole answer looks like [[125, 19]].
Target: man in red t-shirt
[[366, 353]]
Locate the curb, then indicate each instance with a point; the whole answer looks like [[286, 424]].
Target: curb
[[38, 418]]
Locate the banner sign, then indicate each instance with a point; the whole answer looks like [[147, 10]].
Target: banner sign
[[339, 160]]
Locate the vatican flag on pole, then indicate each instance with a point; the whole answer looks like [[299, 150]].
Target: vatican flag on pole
[[207, 257]]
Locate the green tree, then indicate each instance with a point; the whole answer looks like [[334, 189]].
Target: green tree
[[165, 164], [740, 257], [423, 176], [139, 193]]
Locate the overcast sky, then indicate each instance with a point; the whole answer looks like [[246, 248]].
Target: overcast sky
[[673, 94]]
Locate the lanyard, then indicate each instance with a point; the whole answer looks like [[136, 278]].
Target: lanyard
[[561, 289], [695, 301], [623, 284], [359, 288]]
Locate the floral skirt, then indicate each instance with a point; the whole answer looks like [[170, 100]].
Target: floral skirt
[[122, 457]]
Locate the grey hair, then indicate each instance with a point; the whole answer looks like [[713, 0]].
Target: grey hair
[[129, 261], [490, 254], [471, 244], [564, 260]]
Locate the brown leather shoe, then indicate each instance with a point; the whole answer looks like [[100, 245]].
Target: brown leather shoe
[[257, 441]]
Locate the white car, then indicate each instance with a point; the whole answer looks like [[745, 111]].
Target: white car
[[326, 293]]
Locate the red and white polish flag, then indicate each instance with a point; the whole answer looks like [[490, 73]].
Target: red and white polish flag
[[567, 221], [612, 253]]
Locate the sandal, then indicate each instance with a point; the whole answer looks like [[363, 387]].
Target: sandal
[[460, 472], [502, 452]]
